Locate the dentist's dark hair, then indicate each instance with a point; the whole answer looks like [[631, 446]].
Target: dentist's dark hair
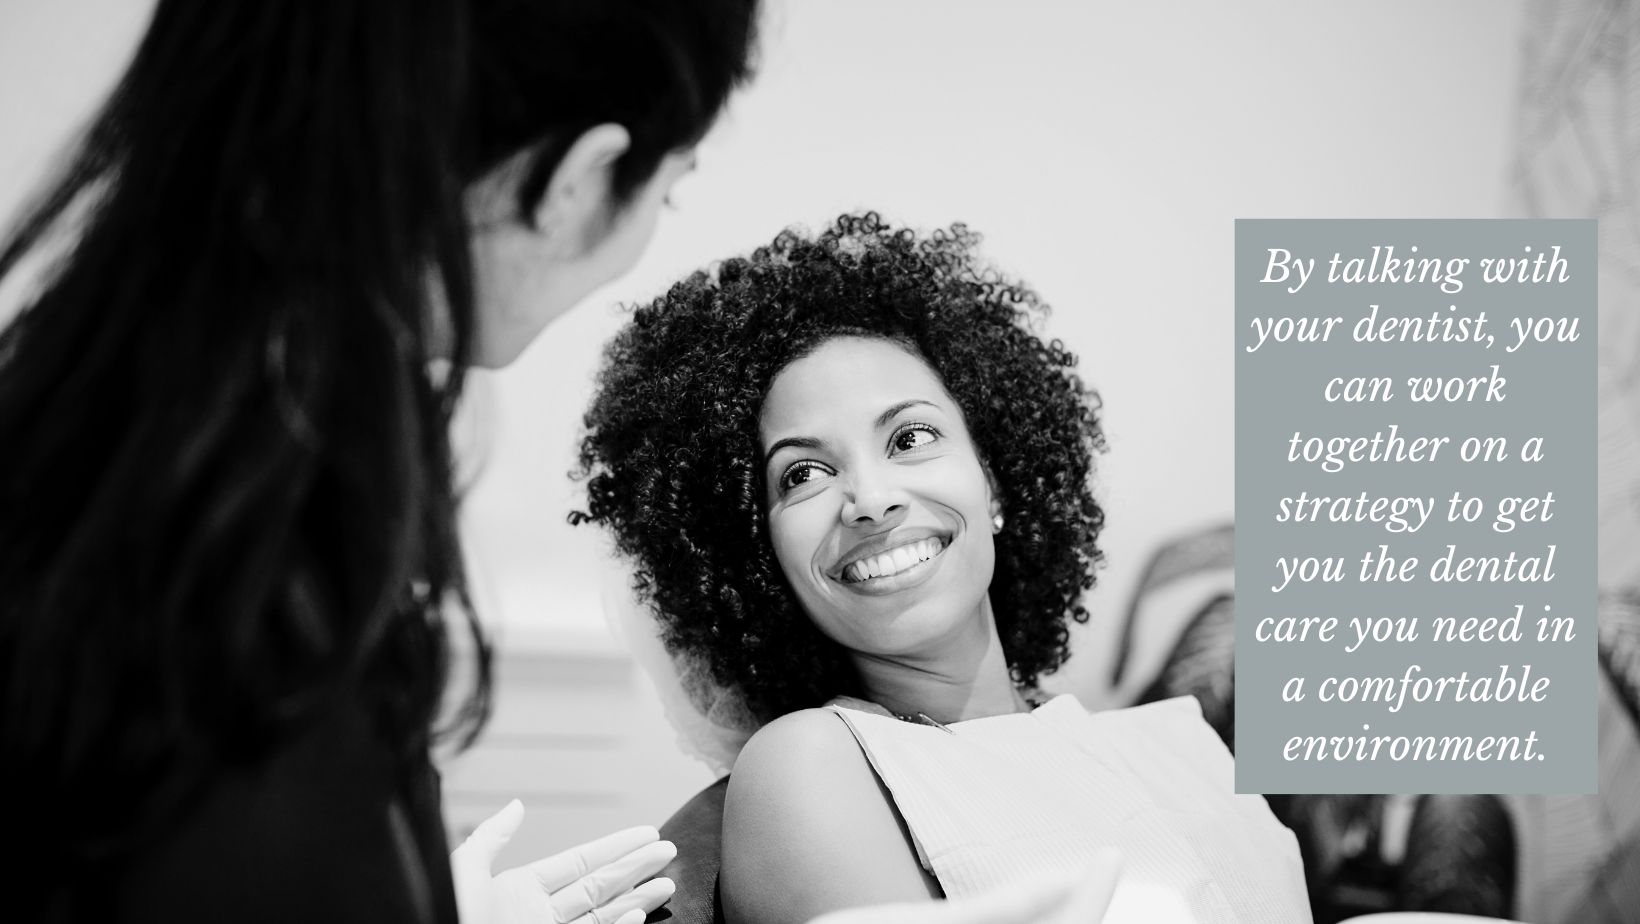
[[226, 498]]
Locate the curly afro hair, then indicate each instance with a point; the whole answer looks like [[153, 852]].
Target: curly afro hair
[[674, 462]]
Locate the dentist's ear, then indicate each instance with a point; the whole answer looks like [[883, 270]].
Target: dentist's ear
[[573, 204], [564, 205]]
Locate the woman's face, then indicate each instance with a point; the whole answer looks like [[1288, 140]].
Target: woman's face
[[879, 507]]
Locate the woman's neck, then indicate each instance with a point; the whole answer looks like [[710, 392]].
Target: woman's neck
[[964, 677]]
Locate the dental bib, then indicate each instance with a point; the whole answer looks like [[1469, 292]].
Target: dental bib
[[992, 800]]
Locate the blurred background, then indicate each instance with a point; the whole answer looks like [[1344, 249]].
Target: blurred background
[[1104, 151]]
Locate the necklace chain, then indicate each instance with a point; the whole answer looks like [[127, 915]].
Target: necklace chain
[[921, 718]]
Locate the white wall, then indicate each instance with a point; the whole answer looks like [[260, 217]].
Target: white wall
[[1103, 149]]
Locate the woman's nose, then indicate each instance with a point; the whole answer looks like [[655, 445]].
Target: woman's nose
[[872, 498]]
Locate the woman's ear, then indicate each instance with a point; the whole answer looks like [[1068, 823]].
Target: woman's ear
[[994, 492], [576, 202]]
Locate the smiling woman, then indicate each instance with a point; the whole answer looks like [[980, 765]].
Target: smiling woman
[[855, 485], [697, 406]]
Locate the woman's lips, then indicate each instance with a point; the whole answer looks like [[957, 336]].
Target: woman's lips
[[894, 562]]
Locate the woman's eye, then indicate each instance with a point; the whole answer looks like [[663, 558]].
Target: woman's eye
[[913, 438], [802, 473]]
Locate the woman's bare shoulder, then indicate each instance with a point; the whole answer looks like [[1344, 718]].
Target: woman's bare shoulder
[[794, 744], [809, 828], [798, 772]]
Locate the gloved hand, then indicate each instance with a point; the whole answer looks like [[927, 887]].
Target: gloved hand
[[606, 881]]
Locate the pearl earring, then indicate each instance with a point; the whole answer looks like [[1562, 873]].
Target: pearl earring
[[996, 522]]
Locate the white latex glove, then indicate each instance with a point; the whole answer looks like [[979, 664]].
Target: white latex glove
[[1080, 899], [606, 881]]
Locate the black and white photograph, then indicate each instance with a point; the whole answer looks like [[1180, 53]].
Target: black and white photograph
[[745, 461]]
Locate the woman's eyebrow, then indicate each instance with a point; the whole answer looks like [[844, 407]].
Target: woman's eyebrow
[[896, 410], [791, 442], [809, 442]]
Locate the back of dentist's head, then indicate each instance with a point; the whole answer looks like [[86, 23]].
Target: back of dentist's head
[[226, 493]]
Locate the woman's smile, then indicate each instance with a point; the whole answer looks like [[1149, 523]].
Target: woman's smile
[[906, 564]]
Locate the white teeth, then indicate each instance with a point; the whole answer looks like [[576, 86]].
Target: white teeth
[[903, 559], [893, 561]]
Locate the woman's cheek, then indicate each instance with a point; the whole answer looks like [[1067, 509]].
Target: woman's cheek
[[796, 533]]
